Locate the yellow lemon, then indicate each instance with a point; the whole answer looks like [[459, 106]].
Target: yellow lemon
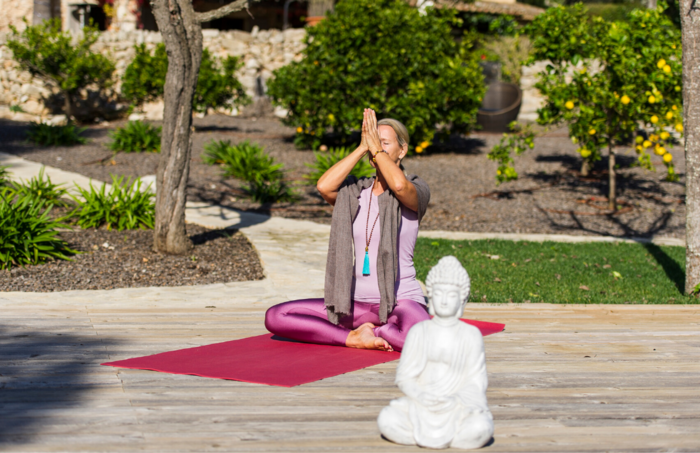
[[331, 117], [299, 130], [583, 70], [585, 153], [419, 149], [424, 144], [625, 99], [639, 148], [667, 69], [668, 157], [651, 99], [639, 139], [659, 150], [665, 135], [592, 131], [654, 119], [661, 63], [654, 138], [678, 88], [646, 143], [673, 107], [498, 172], [669, 115], [679, 127], [569, 105], [673, 46]]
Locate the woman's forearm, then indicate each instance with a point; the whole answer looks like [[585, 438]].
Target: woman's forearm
[[329, 184], [403, 190]]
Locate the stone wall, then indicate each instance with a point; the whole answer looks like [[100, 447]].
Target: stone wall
[[261, 52]]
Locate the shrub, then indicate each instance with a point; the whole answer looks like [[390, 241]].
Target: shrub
[[144, 78], [608, 80], [136, 137], [386, 55], [125, 206], [324, 161], [27, 234], [56, 58], [217, 85], [39, 189], [250, 163], [50, 135], [270, 191], [245, 161]]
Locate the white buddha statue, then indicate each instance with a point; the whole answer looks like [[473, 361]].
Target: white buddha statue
[[442, 372]]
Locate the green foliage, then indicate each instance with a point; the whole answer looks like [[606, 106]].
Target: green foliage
[[144, 78], [50, 135], [249, 162], [386, 55], [520, 140], [324, 161], [270, 191], [4, 176], [27, 234], [125, 207], [246, 161], [492, 24], [55, 57], [606, 79], [136, 137], [554, 272], [510, 51], [611, 11], [217, 85], [39, 189]]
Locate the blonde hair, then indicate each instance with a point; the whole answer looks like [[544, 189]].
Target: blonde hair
[[399, 128]]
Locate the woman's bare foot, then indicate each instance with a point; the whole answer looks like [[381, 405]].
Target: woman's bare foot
[[363, 338]]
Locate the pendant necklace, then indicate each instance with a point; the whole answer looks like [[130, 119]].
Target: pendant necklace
[[365, 267]]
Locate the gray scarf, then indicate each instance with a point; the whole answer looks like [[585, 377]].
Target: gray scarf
[[339, 266]]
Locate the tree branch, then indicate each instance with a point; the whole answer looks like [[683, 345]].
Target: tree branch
[[223, 11]]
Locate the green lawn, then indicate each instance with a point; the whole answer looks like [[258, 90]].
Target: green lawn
[[556, 272]]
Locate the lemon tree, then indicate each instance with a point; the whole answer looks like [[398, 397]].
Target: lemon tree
[[386, 55], [615, 84]]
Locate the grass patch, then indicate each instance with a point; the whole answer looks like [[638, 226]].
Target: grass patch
[[556, 272]]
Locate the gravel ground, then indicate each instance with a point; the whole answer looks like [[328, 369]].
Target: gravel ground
[[549, 197], [125, 259]]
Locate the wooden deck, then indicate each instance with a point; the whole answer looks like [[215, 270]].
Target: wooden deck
[[562, 378]]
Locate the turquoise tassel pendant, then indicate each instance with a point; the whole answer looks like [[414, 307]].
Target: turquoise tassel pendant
[[365, 267]]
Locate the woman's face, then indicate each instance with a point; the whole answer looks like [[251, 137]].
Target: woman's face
[[390, 144]]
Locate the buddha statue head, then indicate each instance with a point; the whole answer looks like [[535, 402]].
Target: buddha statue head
[[448, 288]]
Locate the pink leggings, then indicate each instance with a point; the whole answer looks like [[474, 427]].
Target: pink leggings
[[306, 320]]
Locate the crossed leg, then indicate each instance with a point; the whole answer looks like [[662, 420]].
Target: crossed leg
[[306, 320]]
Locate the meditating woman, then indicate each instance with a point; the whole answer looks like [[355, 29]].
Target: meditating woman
[[372, 297]]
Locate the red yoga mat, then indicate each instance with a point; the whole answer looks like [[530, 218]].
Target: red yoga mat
[[271, 360]]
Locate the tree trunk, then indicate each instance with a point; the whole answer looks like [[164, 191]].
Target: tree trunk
[[585, 168], [68, 106], [612, 183], [690, 25], [182, 35], [181, 29]]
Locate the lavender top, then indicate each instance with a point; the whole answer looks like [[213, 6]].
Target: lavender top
[[366, 288]]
